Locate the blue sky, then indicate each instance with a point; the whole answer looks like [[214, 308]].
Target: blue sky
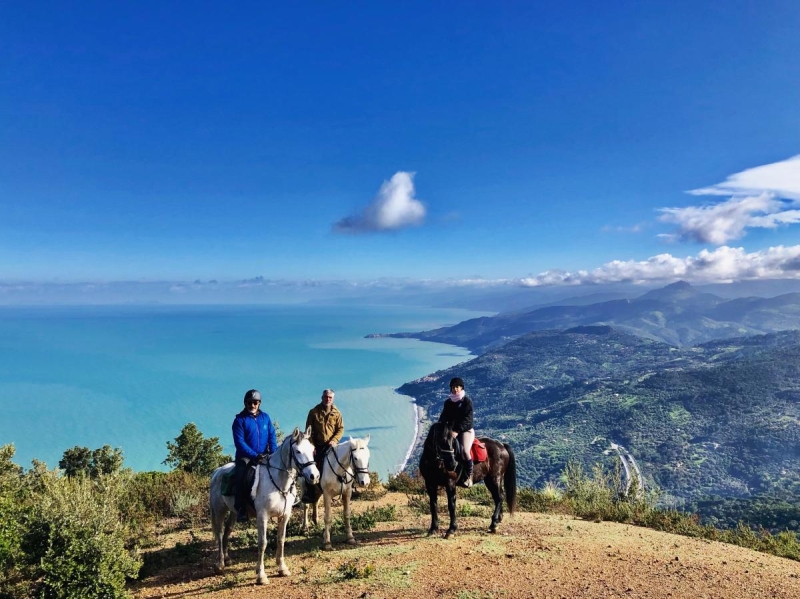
[[503, 141]]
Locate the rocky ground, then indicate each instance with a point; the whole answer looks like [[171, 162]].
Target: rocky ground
[[533, 555]]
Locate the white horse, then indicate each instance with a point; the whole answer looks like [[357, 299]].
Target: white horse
[[342, 466], [274, 493]]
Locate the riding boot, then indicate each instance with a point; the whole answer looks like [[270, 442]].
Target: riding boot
[[240, 480], [468, 474]]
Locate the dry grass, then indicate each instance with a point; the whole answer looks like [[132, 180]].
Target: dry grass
[[533, 555]]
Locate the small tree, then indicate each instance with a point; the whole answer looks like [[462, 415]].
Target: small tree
[[106, 461], [84, 461], [193, 453], [76, 461]]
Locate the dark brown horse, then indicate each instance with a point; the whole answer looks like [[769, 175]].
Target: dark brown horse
[[439, 468]]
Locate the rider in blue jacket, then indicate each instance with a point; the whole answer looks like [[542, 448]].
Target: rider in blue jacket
[[254, 438]]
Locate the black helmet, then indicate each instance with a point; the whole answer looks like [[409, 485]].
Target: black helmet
[[253, 394], [457, 382]]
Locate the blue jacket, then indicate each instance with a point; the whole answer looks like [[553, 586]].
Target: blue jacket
[[253, 435]]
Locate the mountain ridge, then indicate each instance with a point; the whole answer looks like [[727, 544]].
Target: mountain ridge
[[677, 314]]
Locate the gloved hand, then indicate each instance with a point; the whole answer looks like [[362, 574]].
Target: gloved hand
[[262, 458]]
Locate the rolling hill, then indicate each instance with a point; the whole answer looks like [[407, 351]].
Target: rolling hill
[[717, 419]]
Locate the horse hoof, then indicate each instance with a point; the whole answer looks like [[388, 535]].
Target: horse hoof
[[262, 580], [218, 569], [352, 542], [449, 533], [284, 572], [432, 531], [327, 547], [493, 529]]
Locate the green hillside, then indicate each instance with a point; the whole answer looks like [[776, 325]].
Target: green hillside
[[719, 419]]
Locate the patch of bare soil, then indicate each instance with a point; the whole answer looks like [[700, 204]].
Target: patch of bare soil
[[532, 555]]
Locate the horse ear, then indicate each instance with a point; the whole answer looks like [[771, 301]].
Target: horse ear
[[295, 433], [366, 439], [308, 432]]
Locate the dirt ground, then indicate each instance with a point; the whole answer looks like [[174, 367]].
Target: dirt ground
[[532, 555]]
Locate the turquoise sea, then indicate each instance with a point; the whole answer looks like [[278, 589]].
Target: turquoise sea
[[133, 376]]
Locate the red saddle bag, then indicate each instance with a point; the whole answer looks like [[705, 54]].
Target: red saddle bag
[[478, 451]]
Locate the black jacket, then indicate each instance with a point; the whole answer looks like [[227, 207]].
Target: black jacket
[[457, 414]]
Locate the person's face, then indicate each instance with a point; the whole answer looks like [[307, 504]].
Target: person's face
[[252, 405], [456, 389], [327, 399]]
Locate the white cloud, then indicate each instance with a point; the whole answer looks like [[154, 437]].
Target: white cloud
[[720, 223], [762, 197], [393, 208], [779, 178], [722, 265]]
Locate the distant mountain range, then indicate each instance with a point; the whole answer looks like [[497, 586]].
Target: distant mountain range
[[678, 314], [718, 419]]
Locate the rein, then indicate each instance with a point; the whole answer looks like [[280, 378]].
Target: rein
[[347, 477], [292, 473], [438, 450]]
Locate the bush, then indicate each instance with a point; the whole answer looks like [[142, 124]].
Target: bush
[[405, 483], [76, 539], [373, 492], [352, 570]]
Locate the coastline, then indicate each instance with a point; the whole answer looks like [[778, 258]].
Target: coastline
[[419, 415]]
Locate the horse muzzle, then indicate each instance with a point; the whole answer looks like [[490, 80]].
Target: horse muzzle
[[311, 474]]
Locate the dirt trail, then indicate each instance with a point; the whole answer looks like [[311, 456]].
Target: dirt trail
[[533, 555]]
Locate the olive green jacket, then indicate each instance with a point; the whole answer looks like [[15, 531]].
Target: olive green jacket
[[325, 427]]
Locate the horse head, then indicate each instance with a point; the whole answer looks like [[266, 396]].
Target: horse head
[[303, 455], [359, 454], [441, 442]]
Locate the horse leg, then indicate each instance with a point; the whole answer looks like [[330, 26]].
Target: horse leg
[[261, 523], [216, 527], [315, 512], [494, 488], [226, 535], [326, 535], [433, 491], [348, 531], [282, 522], [451, 507]]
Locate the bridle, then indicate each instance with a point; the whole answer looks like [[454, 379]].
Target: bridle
[[347, 477], [438, 449], [290, 470]]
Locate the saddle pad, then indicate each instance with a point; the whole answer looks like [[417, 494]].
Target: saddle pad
[[227, 486], [478, 451]]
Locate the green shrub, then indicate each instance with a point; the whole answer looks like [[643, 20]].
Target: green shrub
[[76, 540], [353, 570], [373, 492], [477, 494], [405, 483]]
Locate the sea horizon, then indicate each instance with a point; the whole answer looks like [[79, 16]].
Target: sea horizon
[[132, 376]]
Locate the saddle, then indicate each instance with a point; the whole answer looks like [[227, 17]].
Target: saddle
[[228, 483], [478, 451]]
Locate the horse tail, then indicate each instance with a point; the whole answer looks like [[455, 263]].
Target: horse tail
[[510, 480]]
